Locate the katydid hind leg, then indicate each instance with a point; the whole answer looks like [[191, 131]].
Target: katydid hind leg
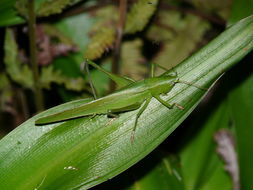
[[115, 112], [85, 66], [153, 67], [142, 109], [168, 105], [126, 108], [119, 80]]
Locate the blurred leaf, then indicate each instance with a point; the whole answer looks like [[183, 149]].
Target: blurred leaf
[[4, 81], [84, 152], [49, 75], [156, 170], [100, 43], [139, 15], [201, 167], [187, 33], [9, 15], [164, 172], [22, 7], [20, 73], [240, 9], [132, 60], [5, 91], [103, 33], [222, 8], [52, 31], [241, 102], [76, 29], [52, 7]]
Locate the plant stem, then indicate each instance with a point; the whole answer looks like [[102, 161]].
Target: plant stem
[[33, 56], [120, 28]]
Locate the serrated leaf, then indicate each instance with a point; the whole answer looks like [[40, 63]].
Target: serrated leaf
[[49, 76], [100, 42], [81, 153], [187, 33], [52, 31], [19, 73], [5, 91], [9, 15], [103, 33], [50, 7], [133, 60], [222, 8], [21, 7], [139, 15]]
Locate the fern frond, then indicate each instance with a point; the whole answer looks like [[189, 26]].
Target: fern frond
[[133, 60], [20, 73], [6, 92], [49, 76], [21, 7], [103, 33], [188, 32], [52, 7], [139, 15], [101, 42]]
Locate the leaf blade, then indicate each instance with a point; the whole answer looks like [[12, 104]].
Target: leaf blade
[[100, 148]]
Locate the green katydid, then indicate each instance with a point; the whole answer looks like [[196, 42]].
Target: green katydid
[[131, 96]]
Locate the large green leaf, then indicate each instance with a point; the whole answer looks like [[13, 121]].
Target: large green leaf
[[83, 152], [201, 168], [158, 169], [241, 103], [9, 15], [240, 9]]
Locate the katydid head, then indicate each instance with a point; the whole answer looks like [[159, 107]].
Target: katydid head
[[162, 84]]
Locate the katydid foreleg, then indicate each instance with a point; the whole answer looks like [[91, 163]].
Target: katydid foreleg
[[142, 109]]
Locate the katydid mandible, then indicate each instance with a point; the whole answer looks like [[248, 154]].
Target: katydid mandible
[[131, 96]]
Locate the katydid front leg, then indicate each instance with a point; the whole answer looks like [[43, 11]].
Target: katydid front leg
[[142, 109]]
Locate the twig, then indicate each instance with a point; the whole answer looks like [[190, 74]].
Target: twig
[[33, 56], [120, 28]]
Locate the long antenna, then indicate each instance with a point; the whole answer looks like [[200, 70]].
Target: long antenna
[[190, 84]]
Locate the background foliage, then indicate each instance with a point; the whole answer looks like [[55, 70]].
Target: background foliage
[[165, 32]]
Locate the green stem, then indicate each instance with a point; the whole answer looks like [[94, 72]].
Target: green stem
[[33, 56]]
